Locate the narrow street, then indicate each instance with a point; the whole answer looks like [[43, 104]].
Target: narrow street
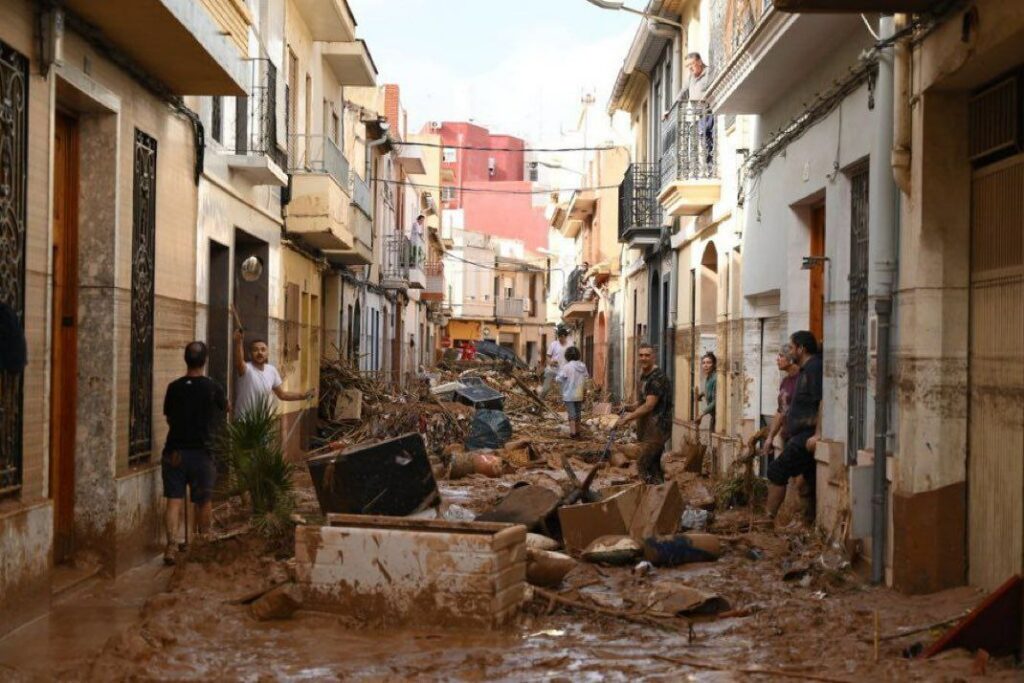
[[532, 340], [795, 607]]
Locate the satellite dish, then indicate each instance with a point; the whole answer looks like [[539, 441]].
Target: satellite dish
[[252, 268]]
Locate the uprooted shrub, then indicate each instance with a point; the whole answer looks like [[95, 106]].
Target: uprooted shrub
[[250, 446]]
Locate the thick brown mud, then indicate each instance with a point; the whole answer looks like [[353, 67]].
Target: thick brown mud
[[795, 607]]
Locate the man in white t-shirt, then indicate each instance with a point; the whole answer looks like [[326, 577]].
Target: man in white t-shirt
[[258, 378], [555, 359]]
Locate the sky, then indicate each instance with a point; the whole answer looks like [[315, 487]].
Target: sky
[[519, 67]]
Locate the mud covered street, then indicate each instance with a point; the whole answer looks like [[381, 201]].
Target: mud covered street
[[795, 609]]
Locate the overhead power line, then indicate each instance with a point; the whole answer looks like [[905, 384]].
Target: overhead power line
[[421, 186], [484, 148]]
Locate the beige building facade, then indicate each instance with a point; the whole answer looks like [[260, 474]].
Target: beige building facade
[[99, 205]]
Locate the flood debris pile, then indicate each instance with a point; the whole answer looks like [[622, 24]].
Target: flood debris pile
[[461, 505]]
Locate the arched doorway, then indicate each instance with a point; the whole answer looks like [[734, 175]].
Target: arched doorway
[[706, 299]]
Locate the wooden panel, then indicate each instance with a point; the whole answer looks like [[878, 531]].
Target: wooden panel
[[816, 303], [996, 429], [64, 321]]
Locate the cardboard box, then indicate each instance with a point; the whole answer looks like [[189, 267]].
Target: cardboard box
[[638, 511]]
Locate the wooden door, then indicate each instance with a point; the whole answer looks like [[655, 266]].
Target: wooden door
[[63, 377], [816, 307], [995, 469]]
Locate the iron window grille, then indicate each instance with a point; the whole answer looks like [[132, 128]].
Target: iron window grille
[[638, 200], [140, 426], [256, 115], [13, 201]]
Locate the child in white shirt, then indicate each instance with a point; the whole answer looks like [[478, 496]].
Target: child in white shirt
[[573, 376]]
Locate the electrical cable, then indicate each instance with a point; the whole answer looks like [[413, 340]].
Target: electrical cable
[[422, 186], [486, 148]]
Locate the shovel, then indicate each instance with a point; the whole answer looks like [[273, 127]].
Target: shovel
[[611, 438]]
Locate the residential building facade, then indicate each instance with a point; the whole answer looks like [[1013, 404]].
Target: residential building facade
[[102, 161]]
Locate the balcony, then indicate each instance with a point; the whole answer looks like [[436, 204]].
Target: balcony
[[578, 299], [403, 263], [572, 227], [351, 62], [256, 155], [319, 210], [689, 171], [435, 288], [765, 53], [510, 308], [182, 45], [410, 158], [640, 222], [329, 20], [361, 226]]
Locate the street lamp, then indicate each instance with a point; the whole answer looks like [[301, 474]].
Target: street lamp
[[651, 18]]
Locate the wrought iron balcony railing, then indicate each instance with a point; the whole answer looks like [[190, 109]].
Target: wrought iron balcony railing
[[256, 115], [639, 211], [575, 289], [731, 28], [510, 307], [402, 255], [689, 149], [318, 154]]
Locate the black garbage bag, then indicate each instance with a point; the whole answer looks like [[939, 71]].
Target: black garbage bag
[[489, 429]]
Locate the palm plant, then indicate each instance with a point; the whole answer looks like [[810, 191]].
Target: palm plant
[[257, 469]]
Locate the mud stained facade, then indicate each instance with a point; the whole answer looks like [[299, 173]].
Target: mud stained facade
[[110, 491]]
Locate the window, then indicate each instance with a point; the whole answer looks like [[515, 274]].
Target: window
[[667, 81], [140, 416], [449, 155], [217, 119], [534, 172], [448, 193], [14, 142]]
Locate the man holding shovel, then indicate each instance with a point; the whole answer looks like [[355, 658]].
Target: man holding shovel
[[653, 416], [258, 378]]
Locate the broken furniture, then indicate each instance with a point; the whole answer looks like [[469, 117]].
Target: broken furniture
[[489, 429], [531, 505], [391, 477], [348, 405], [474, 392], [638, 511], [395, 571]]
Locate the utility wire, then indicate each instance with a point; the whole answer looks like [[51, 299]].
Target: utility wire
[[484, 148], [421, 186]]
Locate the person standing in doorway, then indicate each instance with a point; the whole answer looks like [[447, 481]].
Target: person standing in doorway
[[193, 405], [555, 359], [708, 368], [573, 378], [787, 387], [802, 423], [652, 414], [257, 379]]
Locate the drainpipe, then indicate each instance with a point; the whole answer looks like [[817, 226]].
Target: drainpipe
[[881, 273], [901, 147]]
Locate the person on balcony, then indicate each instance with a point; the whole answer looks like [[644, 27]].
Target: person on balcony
[[416, 237], [706, 123]]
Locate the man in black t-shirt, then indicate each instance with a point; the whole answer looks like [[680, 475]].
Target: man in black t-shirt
[[802, 424], [194, 405]]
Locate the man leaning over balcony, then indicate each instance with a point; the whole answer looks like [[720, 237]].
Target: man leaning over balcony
[[697, 84]]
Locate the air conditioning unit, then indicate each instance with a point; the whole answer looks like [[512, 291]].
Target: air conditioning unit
[[435, 125]]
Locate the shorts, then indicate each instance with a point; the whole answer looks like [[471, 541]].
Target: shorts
[[191, 467], [575, 409], [794, 460]]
